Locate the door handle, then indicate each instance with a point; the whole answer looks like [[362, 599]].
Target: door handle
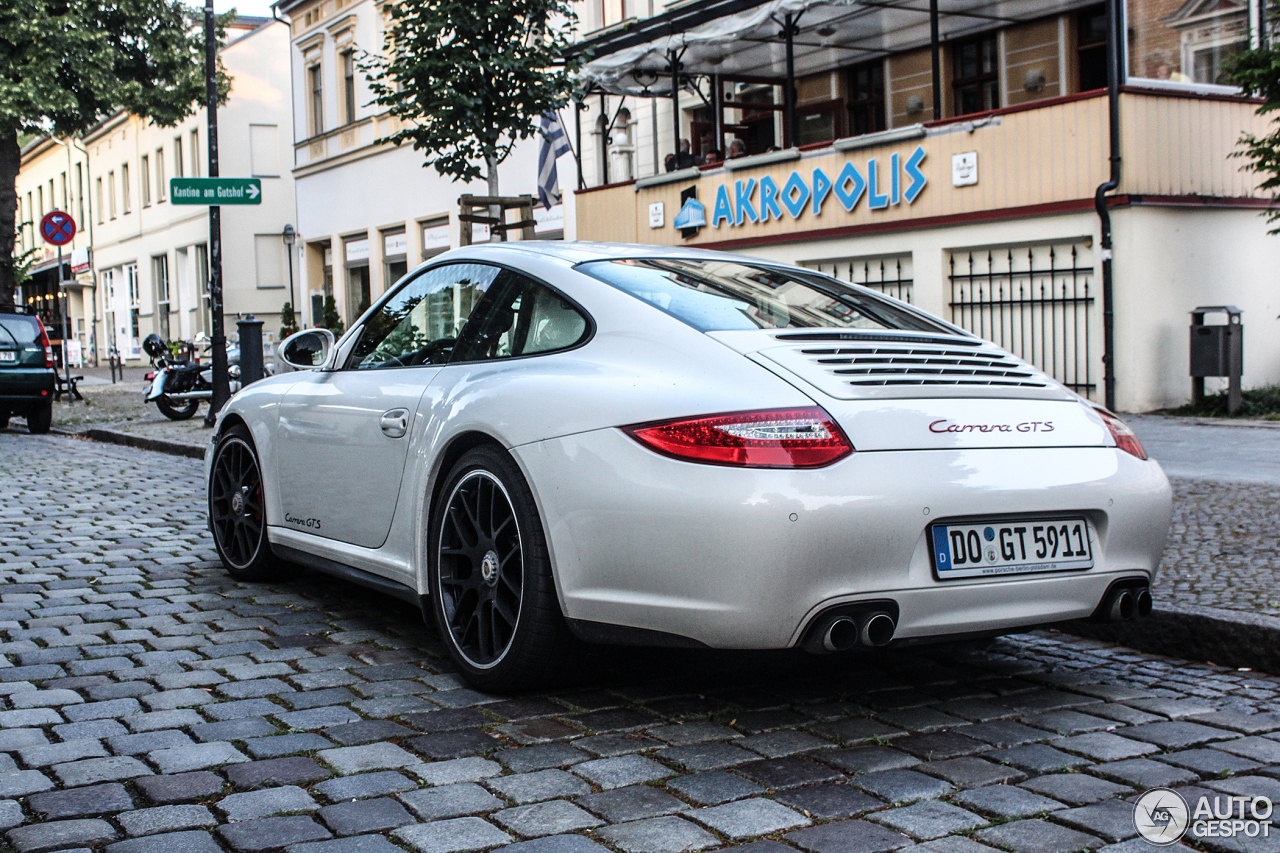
[[394, 423]]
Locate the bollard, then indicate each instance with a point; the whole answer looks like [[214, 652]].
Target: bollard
[[250, 349]]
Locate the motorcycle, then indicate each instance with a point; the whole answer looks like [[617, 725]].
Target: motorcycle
[[180, 382]]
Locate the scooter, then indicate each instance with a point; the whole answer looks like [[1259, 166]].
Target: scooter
[[181, 383]]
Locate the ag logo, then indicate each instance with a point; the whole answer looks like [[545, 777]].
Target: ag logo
[[1161, 816]]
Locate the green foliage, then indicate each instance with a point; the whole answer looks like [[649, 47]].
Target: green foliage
[[22, 261], [1262, 402], [288, 321], [470, 79], [62, 73], [1257, 72], [329, 318]]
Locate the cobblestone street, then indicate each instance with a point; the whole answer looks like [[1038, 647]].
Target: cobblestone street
[[153, 705]]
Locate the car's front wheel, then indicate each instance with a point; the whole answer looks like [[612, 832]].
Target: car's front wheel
[[237, 510], [490, 579]]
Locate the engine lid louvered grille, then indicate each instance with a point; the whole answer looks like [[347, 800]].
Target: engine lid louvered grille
[[918, 365]]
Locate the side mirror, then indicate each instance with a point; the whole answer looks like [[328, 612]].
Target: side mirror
[[306, 350]]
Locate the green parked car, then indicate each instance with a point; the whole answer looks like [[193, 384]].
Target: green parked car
[[26, 372]]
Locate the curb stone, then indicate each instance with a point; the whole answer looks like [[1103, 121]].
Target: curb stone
[[1225, 637], [159, 445]]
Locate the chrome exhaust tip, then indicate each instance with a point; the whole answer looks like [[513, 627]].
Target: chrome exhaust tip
[[841, 635], [1143, 603], [876, 630], [1123, 607]]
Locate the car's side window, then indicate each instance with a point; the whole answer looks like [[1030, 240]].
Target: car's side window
[[420, 323], [520, 316]]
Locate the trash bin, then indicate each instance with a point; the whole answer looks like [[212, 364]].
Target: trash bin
[[1217, 350], [250, 349]]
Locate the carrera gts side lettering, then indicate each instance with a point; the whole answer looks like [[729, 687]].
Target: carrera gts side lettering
[[312, 523], [945, 425]]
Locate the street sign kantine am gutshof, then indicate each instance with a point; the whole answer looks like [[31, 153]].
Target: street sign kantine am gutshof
[[211, 191]]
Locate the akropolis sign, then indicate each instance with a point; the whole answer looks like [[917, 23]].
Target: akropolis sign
[[761, 201]]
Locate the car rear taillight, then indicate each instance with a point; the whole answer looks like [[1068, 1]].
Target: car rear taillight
[[775, 438], [1125, 438], [48, 347]]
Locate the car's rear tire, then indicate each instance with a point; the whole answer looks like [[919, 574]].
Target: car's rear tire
[[489, 578], [40, 418], [237, 509], [176, 413], [4, 419]]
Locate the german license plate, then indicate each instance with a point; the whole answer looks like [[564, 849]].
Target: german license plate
[[8, 356], [987, 549]]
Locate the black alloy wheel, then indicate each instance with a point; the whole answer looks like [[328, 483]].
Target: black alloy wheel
[[237, 510], [490, 580]]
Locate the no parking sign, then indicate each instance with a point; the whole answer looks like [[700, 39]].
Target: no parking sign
[[57, 228]]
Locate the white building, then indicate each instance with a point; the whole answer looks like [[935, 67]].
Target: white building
[[151, 256], [368, 212]]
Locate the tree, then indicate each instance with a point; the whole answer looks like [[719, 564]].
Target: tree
[[469, 79], [288, 321], [67, 64], [329, 318], [1257, 73]]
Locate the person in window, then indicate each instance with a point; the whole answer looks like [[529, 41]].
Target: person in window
[[669, 162], [713, 158], [737, 148], [685, 157]]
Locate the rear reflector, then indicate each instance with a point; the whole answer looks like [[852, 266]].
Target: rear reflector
[[1125, 438], [775, 438]]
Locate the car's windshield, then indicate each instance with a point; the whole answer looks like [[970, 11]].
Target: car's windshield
[[19, 330], [716, 295]]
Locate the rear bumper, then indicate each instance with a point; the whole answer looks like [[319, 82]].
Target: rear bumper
[[20, 387], [740, 558]]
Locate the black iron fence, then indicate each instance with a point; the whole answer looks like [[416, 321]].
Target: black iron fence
[[1034, 302], [890, 276]]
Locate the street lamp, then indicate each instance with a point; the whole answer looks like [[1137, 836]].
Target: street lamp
[[289, 235]]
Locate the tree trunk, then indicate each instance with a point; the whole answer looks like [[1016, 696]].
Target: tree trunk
[[491, 166], [10, 162]]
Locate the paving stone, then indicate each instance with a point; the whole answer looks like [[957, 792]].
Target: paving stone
[[791, 772], [1260, 749], [1145, 773], [265, 803], [711, 755], [1110, 819], [81, 802], [456, 770], [10, 814], [1069, 722], [929, 819], [181, 759], [355, 844], [828, 801], [279, 745], [540, 757], [1104, 746], [1037, 836], [296, 770], [366, 731], [902, 786], [454, 744], [180, 788], [1003, 733], [747, 818], [539, 785], [450, 801], [783, 743], [364, 816], [847, 836], [555, 844], [452, 836], [937, 746], [271, 832], [59, 753], [22, 782], [549, 818], [92, 770], [634, 802], [357, 759], [175, 842], [669, 834], [237, 729], [1037, 757], [61, 835], [622, 770], [364, 785], [148, 742], [868, 759], [969, 772], [1252, 724], [166, 819], [1076, 789], [1210, 762], [1006, 801], [318, 718], [697, 731], [714, 787], [857, 730]]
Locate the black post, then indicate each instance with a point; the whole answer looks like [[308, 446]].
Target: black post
[[935, 50], [602, 125], [221, 383], [65, 300], [250, 349], [789, 93], [577, 132], [717, 114], [1114, 29], [675, 101]]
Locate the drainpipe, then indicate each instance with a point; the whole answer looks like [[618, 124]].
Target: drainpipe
[[1114, 32], [675, 100], [935, 58]]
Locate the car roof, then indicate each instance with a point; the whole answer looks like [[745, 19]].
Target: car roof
[[572, 253]]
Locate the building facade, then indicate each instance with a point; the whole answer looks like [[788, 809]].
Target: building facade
[[958, 175], [151, 256], [368, 211]]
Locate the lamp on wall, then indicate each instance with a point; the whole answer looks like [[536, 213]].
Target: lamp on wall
[[915, 104], [290, 236], [1034, 80]]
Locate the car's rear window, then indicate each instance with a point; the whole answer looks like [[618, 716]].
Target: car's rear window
[[718, 296], [19, 330]]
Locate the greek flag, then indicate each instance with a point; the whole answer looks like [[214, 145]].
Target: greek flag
[[554, 144]]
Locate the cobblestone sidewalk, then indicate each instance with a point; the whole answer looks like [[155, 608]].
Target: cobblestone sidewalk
[[152, 705]]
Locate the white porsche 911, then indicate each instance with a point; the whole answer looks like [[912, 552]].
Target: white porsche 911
[[544, 443]]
